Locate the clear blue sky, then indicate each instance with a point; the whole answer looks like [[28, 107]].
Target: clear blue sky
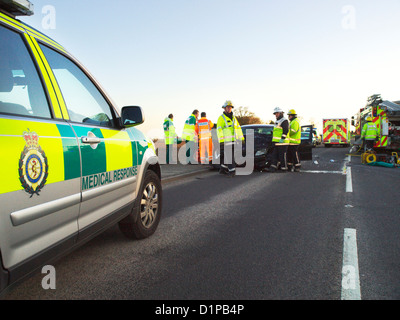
[[321, 57]]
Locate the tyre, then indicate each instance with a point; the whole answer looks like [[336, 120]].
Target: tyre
[[143, 221]]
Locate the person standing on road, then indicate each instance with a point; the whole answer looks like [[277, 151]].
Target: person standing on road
[[229, 133], [190, 135], [280, 142], [170, 137], [204, 127], [294, 142], [369, 134]]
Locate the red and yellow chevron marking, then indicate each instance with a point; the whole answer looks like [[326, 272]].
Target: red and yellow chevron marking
[[338, 133]]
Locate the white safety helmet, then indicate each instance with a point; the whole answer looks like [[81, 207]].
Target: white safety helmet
[[228, 103], [277, 109]]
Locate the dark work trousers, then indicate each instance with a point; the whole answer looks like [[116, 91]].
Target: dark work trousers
[[293, 159], [368, 144], [168, 155], [227, 158], [279, 154]]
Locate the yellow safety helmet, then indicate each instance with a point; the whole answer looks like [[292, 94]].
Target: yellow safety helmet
[[369, 119], [292, 111], [228, 103]]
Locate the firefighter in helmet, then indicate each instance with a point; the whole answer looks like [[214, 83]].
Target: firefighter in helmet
[[280, 142], [294, 142], [369, 133], [229, 133]]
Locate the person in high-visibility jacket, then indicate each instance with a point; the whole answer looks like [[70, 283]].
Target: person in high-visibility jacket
[[280, 142], [190, 135], [204, 127], [369, 133], [294, 137], [229, 134], [170, 136]]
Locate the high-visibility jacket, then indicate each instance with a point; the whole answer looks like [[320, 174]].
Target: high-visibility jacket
[[228, 129], [189, 129], [369, 131], [294, 135], [204, 128], [205, 139], [169, 131], [279, 134]]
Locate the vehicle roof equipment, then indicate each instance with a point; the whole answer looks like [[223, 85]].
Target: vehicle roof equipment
[[17, 7]]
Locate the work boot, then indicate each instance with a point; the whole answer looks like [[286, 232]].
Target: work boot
[[296, 169], [231, 174]]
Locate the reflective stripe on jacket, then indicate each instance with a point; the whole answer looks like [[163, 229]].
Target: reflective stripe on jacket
[[204, 128], [169, 131], [278, 135], [229, 130], [189, 129], [369, 131], [294, 135]]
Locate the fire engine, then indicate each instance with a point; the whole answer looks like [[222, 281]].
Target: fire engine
[[386, 116]]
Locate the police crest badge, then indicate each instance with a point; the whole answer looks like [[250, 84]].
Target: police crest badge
[[33, 166]]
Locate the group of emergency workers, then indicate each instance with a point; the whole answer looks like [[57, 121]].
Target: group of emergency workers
[[286, 140]]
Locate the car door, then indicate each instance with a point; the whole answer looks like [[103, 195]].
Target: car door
[[39, 192], [306, 145], [108, 155]]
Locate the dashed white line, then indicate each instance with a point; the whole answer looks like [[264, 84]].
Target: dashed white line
[[350, 271], [349, 182]]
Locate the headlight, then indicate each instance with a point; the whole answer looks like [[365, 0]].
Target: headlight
[[261, 152]]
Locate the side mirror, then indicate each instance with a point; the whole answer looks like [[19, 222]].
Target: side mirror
[[131, 116]]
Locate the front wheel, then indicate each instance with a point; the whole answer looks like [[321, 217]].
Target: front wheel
[[143, 220]]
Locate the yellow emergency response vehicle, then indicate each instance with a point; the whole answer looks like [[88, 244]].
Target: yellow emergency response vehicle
[[72, 164], [336, 132]]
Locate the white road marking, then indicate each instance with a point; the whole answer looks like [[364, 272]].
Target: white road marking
[[349, 182], [350, 272], [321, 171]]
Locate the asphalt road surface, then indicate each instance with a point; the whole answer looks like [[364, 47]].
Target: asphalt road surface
[[330, 232]]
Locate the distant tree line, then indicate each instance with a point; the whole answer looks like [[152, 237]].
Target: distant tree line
[[245, 116]]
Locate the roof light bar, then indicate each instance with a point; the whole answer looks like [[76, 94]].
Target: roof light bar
[[17, 7]]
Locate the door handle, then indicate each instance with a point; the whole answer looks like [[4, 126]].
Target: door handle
[[91, 139]]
